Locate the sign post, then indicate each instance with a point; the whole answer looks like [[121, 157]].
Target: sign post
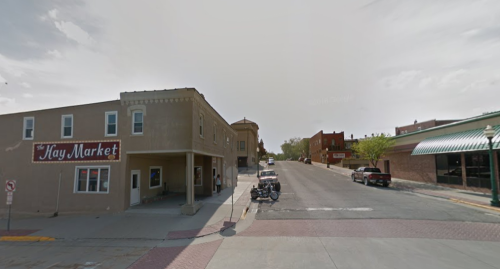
[[10, 188]]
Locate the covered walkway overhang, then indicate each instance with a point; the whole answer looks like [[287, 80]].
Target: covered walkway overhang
[[181, 170], [466, 141]]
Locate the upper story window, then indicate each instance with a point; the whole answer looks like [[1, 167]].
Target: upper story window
[[111, 123], [67, 126], [29, 128], [242, 145], [201, 125], [333, 142], [137, 122], [215, 133]]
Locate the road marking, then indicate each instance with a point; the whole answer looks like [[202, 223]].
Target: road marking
[[494, 215], [340, 209], [26, 238], [357, 209]]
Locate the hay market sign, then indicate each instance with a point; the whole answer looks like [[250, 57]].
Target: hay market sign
[[86, 151]]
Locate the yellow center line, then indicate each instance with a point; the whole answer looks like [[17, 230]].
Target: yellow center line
[[26, 238]]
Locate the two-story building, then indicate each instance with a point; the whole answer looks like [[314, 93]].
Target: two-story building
[[109, 156], [328, 147], [247, 142]]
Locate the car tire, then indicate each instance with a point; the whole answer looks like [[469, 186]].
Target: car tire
[[385, 185], [277, 187], [260, 186], [254, 195], [366, 182]]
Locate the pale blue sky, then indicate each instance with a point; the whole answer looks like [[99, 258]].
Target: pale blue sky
[[294, 67]]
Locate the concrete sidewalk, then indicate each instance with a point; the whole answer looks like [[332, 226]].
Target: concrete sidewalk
[[467, 197], [156, 221]]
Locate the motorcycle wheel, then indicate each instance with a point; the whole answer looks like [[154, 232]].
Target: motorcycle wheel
[[274, 196], [277, 187], [254, 195]]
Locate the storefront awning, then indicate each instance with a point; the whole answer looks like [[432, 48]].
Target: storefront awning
[[470, 140]]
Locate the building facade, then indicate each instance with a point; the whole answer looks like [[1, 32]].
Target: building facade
[[112, 155], [453, 155], [247, 142], [332, 144], [418, 126]]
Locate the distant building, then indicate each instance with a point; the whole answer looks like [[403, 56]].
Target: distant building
[[452, 155], [419, 126], [334, 142], [247, 142]]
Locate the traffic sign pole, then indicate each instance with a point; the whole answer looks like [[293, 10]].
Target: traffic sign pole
[[8, 220]]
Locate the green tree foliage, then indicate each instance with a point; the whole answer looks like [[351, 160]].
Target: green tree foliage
[[262, 150], [374, 148], [295, 147]]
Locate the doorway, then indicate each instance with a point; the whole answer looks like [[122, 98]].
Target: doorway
[[387, 167], [214, 175], [135, 187]]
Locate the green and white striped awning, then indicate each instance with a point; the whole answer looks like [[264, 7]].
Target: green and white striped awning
[[470, 140]]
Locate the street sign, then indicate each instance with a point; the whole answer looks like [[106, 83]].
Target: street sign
[[10, 185], [10, 196]]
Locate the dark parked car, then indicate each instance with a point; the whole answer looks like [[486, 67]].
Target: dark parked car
[[307, 160], [369, 175]]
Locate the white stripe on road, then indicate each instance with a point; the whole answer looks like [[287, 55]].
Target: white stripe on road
[[339, 209]]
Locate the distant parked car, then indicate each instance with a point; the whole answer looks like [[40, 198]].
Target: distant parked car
[[301, 159], [270, 161], [307, 161]]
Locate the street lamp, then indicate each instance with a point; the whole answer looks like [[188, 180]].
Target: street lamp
[[490, 133], [327, 160], [258, 160]]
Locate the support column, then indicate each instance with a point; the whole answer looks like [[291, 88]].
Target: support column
[[464, 172], [190, 208]]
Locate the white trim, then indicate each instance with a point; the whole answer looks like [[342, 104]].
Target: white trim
[[201, 174], [133, 122], [226, 141], [174, 151], [138, 173], [24, 128], [88, 167], [161, 177], [106, 115], [62, 125]]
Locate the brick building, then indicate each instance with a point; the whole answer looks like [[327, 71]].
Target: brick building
[[106, 157], [452, 155], [334, 142], [418, 126]]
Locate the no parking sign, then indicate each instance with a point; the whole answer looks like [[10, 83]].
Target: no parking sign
[[10, 185]]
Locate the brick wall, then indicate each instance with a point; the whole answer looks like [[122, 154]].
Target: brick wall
[[417, 168]]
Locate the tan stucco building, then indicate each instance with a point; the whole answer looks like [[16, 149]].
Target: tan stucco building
[[112, 155], [247, 142]]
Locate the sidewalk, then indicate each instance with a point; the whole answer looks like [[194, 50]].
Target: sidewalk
[[160, 220], [468, 197]]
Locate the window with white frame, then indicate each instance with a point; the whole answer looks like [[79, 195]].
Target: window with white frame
[[242, 145], [215, 133], [201, 125], [111, 123], [29, 128], [137, 122], [155, 178], [67, 126], [92, 179]]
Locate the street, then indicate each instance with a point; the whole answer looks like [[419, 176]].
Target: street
[[321, 220], [324, 220]]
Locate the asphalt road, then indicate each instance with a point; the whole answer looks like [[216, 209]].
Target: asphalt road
[[312, 192]]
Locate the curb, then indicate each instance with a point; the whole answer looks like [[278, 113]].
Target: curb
[[26, 238], [458, 201]]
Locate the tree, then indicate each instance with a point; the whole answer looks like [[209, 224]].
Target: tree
[[292, 148], [262, 150], [374, 148]]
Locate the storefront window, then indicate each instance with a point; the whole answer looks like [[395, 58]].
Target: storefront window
[[197, 176], [92, 179], [154, 177], [478, 170], [449, 169]]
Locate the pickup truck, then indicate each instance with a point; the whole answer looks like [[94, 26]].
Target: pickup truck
[[369, 175]]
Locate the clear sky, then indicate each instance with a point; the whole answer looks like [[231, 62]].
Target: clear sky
[[294, 67]]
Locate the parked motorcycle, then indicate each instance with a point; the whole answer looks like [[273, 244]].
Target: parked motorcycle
[[266, 192]]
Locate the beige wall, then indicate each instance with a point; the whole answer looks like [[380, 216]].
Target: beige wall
[[170, 122], [247, 132], [37, 184]]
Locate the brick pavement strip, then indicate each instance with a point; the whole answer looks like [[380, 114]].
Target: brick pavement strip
[[376, 228], [214, 228], [188, 257]]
